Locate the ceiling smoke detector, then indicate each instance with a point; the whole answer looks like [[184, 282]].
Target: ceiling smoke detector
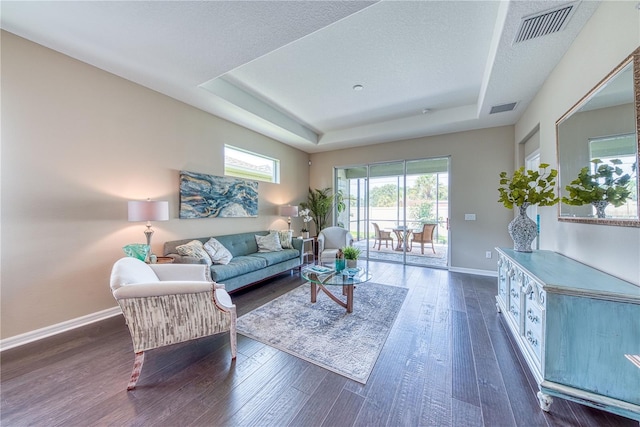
[[543, 23], [503, 107]]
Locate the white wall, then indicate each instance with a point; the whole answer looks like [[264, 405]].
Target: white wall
[[77, 143], [612, 33], [477, 158]]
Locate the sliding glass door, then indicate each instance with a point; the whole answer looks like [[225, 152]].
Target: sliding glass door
[[398, 211]]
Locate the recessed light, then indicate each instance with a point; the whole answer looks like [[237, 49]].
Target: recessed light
[[358, 87], [426, 111]]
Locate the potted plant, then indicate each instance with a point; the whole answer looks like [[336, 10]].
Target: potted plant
[[306, 218], [606, 185], [523, 189], [321, 203], [351, 254]]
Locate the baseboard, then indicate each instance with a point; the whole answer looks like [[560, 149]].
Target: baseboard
[[58, 328], [489, 273]]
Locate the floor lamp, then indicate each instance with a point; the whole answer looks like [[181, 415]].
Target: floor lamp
[[148, 211]]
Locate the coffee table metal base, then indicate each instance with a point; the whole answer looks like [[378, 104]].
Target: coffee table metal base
[[347, 290]]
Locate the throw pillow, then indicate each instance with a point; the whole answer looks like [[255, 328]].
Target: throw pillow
[[218, 253], [285, 238], [194, 249], [268, 243]]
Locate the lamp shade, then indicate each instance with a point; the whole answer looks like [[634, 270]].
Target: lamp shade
[[148, 210], [288, 210]]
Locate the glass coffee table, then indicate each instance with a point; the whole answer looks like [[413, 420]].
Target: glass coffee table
[[321, 277]]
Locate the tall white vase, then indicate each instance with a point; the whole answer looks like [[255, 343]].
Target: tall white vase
[[523, 230]]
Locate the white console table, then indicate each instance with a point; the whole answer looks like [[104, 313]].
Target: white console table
[[574, 325]]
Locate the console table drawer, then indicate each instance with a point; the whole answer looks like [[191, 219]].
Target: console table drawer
[[533, 316], [533, 336], [515, 301]]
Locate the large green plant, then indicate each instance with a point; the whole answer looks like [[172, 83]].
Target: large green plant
[[321, 203], [607, 184], [533, 187]]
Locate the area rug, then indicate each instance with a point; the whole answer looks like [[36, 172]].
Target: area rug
[[324, 333]]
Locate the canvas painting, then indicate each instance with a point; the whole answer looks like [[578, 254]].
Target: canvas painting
[[209, 196]]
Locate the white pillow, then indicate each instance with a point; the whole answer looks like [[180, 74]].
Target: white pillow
[[218, 253], [285, 238], [269, 243], [194, 249]]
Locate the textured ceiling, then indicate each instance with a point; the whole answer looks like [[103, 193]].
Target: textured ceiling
[[286, 69]]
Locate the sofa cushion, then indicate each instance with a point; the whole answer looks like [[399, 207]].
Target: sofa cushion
[[194, 249], [241, 243], [285, 238], [276, 257], [268, 243], [236, 267], [218, 253]]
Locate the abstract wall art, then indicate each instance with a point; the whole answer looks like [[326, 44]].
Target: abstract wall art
[[209, 196]]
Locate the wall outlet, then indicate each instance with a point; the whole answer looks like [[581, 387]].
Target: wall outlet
[[488, 254], [469, 217]]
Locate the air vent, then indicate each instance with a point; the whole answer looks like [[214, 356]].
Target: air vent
[[502, 108], [543, 23]]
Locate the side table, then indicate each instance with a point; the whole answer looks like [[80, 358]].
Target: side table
[[308, 250]]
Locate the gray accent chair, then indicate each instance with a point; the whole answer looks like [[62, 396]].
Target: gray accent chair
[[330, 240], [166, 304]]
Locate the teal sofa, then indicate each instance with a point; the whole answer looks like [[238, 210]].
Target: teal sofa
[[248, 266]]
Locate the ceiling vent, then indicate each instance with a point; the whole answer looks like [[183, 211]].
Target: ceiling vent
[[502, 108], [543, 23]]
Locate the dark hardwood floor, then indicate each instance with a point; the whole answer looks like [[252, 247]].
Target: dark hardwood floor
[[448, 361]]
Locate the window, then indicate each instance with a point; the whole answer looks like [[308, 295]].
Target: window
[[245, 164], [621, 147]]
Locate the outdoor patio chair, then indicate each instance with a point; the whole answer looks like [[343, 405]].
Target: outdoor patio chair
[[380, 236], [424, 235]]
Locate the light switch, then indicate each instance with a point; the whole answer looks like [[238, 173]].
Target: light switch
[[469, 217]]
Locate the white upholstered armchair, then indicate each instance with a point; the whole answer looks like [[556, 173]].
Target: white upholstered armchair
[[330, 240], [166, 304]]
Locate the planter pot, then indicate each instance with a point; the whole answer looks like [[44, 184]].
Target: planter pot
[[305, 234], [523, 230], [352, 263], [600, 206]]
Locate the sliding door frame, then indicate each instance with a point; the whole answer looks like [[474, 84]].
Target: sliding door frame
[[365, 222]]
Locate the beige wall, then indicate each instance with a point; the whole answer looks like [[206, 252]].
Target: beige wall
[[77, 143], [612, 33], [477, 157]]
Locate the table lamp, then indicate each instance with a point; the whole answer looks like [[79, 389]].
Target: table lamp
[[148, 211], [288, 211]]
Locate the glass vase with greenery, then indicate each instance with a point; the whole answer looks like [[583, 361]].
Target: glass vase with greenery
[[607, 184], [525, 188], [532, 187]]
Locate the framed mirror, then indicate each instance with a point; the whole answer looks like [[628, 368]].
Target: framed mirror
[[603, 125]]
